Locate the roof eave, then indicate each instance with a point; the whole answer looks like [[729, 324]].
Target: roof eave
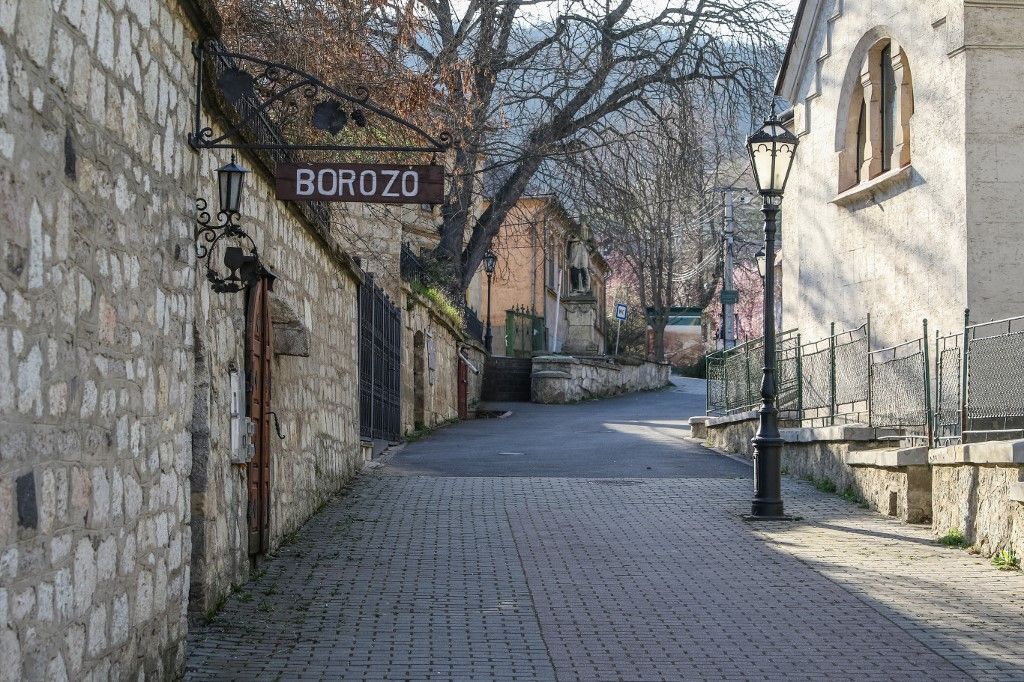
[[781, 79]]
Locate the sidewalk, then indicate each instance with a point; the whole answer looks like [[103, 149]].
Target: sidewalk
[[575, 576]]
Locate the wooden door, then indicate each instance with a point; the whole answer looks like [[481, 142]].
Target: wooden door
[[258, 362], [463, 389]]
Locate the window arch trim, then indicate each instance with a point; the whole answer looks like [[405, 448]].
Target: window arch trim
[[863, 157]]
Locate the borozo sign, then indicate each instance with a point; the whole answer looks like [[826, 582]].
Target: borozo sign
[[367, 183]]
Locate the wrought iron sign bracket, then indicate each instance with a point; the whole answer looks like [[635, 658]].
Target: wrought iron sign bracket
[[243, 268], [270, 97]]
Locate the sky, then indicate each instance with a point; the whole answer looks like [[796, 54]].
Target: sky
[[648, 5]]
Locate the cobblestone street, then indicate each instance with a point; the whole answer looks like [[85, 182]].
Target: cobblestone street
[[593, 542]]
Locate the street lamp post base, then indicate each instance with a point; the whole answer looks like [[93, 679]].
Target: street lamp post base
[[758, 517]]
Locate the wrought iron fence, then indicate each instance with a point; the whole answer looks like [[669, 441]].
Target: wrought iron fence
[[380, 361], [474, 327], [899, 385], [410, 266], [525, 333]]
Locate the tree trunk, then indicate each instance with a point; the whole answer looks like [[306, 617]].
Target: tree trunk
[[658, 326]]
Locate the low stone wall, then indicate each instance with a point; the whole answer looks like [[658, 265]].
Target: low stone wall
[[558, 379], [732, 433], [978, 491], [895, 482]]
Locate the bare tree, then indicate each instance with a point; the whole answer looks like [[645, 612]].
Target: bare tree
[[647, 201], [525, 82]]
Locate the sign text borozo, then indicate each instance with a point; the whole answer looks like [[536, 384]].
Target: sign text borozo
[[368, 183]]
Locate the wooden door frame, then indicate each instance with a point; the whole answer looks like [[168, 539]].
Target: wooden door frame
[[258, 381]]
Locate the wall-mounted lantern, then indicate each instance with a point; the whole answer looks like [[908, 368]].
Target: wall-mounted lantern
[[243, 268]]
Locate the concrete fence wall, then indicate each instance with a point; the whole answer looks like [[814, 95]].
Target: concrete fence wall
[[566, 379]]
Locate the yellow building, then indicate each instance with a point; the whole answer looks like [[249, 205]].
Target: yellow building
[[531, 283]]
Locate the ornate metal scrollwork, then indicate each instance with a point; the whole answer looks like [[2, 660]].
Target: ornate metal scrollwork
[[270, 98], [242, 268]]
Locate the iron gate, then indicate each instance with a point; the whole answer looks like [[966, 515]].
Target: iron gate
[[525, 333], [380, 362]]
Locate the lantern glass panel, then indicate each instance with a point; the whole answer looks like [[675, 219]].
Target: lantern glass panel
[[230, 182], [490, 261]]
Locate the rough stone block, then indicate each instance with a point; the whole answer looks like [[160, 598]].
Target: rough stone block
[[887, 458], [25, 491]]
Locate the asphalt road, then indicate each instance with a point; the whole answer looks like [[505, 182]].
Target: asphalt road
[[642, 435]]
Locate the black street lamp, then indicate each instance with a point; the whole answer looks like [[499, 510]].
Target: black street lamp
[[762, 262], [771, 157], [490, 261]]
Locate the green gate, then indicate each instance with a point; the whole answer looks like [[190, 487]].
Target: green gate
[[525, 333]]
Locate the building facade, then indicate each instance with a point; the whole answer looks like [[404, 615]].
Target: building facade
[[127, 503], [902, 198], [684, 337], [533, 277]]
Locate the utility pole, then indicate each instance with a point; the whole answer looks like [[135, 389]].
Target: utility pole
[[729, 294]]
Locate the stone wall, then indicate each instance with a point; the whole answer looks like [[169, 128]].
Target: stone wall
[[855, 459], [96, 335], [732, 433], [434, 373], [976, 490], [560, 379], [314, 388], [115, 353]]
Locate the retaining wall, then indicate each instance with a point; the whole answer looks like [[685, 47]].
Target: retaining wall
[[976, 489], [855, 459], [560, 379]]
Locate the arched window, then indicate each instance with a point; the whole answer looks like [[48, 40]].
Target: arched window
[[877, 120]]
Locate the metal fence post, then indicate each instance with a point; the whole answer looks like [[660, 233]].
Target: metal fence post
[[746, 389], [832, 374], [867, 331], [929, 425], [799, 381], [964, 360], [707, 383], [937, 407], [725, 381]]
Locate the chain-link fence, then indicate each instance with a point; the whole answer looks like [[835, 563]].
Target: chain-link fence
[[899, 388], [734, 376], [977, 392], [993, 380], [948, 383], [834, 377]]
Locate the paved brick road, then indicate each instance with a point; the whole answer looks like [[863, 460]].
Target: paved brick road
[[580, 577]]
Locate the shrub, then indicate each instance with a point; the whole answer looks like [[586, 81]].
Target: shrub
[[954, 538], [442, 303], [1006, 560]]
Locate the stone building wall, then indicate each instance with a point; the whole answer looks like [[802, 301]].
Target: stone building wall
[[900, 250], [438, 346], [314, 388], [96, 337], [994, 107]]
